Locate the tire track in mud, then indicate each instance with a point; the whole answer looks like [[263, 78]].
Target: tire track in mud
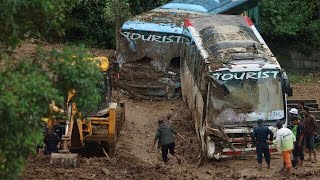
[[138, 132]]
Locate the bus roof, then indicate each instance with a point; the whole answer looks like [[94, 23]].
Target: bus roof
[[204, 6], [169, 17], [227, 39], [158, 21]]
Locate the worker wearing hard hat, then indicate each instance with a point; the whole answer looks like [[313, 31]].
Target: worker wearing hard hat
[[293, 111], [294, 114], [294, 127]]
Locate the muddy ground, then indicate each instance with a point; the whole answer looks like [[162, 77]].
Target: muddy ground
[[137, 159]]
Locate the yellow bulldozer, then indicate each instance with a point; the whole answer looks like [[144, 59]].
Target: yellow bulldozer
[[85, 135]]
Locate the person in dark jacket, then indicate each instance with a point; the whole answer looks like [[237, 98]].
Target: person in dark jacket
[[52, 138], [260, 136], [165, 137], [299, 143]]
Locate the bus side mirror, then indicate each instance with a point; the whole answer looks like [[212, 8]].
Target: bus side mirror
[[286, 84], [132, 46], [115, 67]]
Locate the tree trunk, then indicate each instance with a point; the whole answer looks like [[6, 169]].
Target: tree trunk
[[118, 19]]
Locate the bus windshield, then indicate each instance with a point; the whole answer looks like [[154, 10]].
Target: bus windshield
[[249, 96]]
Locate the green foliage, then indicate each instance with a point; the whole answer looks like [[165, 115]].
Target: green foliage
[[21, 19], [26, 89], [73, 70], [86, 23], [89, 22], [296, 77], [293, 22], [94, 23], [140, 6], [117, 9], [24, 99]]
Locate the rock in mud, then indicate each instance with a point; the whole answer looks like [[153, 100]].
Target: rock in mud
[[105, 171]]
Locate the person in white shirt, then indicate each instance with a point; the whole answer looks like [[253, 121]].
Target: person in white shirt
[[285, 142]]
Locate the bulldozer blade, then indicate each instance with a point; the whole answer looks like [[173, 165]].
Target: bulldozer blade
[[65, 160]]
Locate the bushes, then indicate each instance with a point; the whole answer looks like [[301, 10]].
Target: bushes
[[292, 22], [93, 22], [85, 23], [25, 98], [31, 18]]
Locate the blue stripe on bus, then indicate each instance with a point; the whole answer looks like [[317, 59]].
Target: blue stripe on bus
[[153, 27], [212, 7]]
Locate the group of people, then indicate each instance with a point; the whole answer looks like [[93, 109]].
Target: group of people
[[289, 141]]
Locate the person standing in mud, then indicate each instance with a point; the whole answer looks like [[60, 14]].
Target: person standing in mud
[[310, 127], [292, 113], [260, 136], [53, 137], [284, 143], [165, 137], [298, 154]]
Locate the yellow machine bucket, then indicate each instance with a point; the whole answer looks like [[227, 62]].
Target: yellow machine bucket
[[65, 160]]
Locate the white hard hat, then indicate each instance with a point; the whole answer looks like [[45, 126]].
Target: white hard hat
[[294, 111]]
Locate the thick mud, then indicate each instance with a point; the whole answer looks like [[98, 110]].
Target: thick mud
[[137, 159]]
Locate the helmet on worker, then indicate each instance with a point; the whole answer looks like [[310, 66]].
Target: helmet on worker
[[293, 111]]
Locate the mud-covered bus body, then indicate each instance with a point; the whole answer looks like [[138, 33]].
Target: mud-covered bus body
[[149, 46], [229, 80], [149, 54]]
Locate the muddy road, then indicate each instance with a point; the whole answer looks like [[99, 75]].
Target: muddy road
[[137, 159]]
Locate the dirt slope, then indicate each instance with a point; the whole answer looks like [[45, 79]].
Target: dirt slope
[[306, 91]]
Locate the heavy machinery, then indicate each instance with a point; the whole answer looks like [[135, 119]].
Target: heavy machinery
[[91, 135]]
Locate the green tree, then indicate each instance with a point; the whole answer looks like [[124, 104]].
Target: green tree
[[24, 99], [95, 23], [117, 11], [21, 19], [73, 70], [140, 6], [27, 87], [292, 21], [85, 23]]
